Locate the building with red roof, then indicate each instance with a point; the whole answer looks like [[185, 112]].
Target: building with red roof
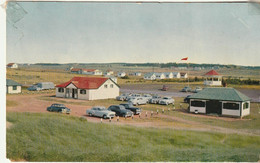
[[12, 65], [213, 78], [88, 88]]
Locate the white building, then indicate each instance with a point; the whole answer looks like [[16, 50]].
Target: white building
[[176, 75], [88, 88], [121, 74], [168, 75], [137, 73], [91, 72], [13, 87], [184, 75], [222, 101], [159, 75], [12, 65], [149, 76]]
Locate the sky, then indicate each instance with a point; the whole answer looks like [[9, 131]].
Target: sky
[[80, 32]]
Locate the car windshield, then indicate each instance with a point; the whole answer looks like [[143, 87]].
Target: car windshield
[[166, 98], [101, 109]]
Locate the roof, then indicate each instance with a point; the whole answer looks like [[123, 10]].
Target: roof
[[158, 73], [75, 69], [212, 73], [89, 70], [223, 94], [10, 64], [10, 82], [183, 73], [85, 82], [168, 73], [149, 74], [175, 73]]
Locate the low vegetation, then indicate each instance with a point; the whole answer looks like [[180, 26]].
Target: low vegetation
[[56, 137]]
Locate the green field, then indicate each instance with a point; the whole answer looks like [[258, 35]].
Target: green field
[[56, 137]]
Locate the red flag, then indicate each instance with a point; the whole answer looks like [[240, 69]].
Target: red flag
[[185, 59]]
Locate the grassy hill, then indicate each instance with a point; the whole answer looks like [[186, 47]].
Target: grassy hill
[[57, 137]]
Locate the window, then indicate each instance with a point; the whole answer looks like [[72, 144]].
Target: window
[[198, 103], [231, 106], [14, 87], [245, 105], [105, 85], [82, 91], [111, 86], [60, 90]]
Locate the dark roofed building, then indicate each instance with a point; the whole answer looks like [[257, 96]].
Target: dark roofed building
[[13, 87], [222, 101]]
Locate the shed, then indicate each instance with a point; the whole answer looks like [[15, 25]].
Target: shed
[[13, 87], [222, 101], [12, 65]]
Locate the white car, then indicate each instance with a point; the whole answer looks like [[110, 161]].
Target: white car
[[123, 97], [155, 99], [137, 101], [132, 96], [166, 101], [100, 111], [147, 97]]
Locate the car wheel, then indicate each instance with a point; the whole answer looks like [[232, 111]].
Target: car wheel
[[167, 103], [104, 116], [90, 114]]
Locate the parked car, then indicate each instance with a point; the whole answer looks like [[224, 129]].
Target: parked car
[[132, 96], [41, 86], [137, 101], [187, 99], [155, 99], [186, 89], [197, 89], [100, 111], [120, 110], [147, 97], [130, 107], [165, 88], [166, 101], [59, 108], [123, 97]]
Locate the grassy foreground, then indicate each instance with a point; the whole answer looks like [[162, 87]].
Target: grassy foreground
[[57, 137]]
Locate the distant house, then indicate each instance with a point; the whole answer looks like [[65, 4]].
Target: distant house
[[109, 72], [121, 74], [75, 70], [222, 101], [91, 72], [168, 75], [137, 73], [88, 88], [149, 76], [159, 75], [13, 87], [213, 78], [176, 75], [184, 75], [197, 68], [12, 65]]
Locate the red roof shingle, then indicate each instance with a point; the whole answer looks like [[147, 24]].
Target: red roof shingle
[[85, 82]]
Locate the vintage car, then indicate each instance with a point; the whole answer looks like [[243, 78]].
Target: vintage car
[[132, 96], [120, 110], [197, 89], [147, 97], [100, 111], [137, 101], [123, 97], [166, 101], [155, 99], [165, 88], [59, 108], [186, 89], [130, 107]]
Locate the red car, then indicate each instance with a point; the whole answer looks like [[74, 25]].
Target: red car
[[165, 88]]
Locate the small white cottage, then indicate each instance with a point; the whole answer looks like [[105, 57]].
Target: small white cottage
[[88, 88], [149, 76], [159, 75], [12, 65], [168, 75], [121, 74], [13, 87], [176, 74]]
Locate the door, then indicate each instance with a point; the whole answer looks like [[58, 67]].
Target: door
[[67, 94], [74, 93], [213, 106]]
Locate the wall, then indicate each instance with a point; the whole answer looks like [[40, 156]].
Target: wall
[[59, 94], [104, 93], [231, 112], [199, 109], [245, 111], [10, 90]]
